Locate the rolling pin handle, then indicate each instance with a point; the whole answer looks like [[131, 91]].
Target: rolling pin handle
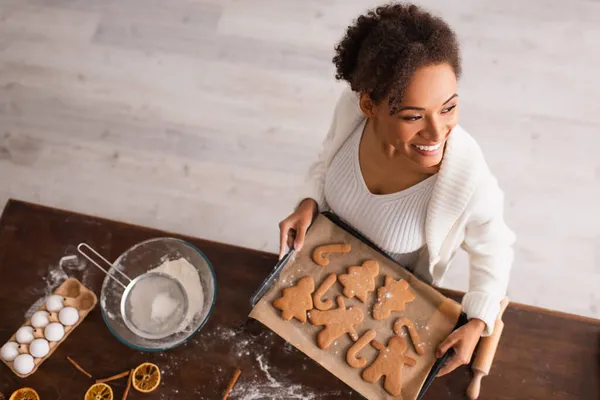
[[475, 385]]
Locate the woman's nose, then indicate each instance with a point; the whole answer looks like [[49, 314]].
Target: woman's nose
[[435, 131]]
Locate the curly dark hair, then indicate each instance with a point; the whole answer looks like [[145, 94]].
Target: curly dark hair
[[382, 50]]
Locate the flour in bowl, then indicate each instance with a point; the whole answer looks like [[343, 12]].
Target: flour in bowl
[[161, 304]]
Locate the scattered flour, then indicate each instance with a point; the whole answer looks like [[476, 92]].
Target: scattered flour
[[70, 265], [35, 307], [267, 382], [254, 389], [265, 368]]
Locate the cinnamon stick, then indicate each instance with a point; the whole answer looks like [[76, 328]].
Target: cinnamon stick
[[128, 385], [232, 383], [114, 377], [83, 371]]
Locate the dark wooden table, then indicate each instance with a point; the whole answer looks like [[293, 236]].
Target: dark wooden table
[[542, 355]]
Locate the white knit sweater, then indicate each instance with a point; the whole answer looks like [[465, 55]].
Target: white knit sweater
[[466, 210], [395, 221]]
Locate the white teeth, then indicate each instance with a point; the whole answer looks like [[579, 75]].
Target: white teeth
[[428, 148]]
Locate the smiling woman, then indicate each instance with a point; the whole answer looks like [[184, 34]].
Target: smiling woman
[[397, 166]]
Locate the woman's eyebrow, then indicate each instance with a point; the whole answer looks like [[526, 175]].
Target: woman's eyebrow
[[422, 109], [451, 97]]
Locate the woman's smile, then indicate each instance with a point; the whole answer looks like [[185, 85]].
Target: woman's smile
[[430, 150]]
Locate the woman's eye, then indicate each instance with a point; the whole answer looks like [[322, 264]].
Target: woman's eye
[[412, 118], [447, 110]]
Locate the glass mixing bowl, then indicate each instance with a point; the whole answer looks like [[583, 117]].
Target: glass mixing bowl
[[140, 259]]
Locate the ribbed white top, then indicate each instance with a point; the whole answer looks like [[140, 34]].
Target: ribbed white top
[[395, 222]]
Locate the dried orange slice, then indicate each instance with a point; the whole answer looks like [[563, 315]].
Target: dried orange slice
[[25, 394], [146, 378], [99, 391]]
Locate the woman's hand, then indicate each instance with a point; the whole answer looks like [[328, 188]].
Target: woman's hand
[[293, 229], [463, 341]]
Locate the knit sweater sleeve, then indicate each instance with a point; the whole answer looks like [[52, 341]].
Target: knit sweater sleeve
[[488, 242], [346, 115]]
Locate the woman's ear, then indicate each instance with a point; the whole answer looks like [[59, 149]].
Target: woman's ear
[[367, 105]]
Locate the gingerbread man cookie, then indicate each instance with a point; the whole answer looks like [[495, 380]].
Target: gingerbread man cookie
[[412, 332], [325, 286], [389, 363], [359, 281], [365, 339], [393, 296], [337, 322], [320, 254], [296, 300]]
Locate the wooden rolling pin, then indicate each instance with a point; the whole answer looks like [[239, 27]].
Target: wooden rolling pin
[[485, 354]]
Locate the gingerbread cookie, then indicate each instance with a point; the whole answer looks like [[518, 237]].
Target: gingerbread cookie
[[325, 286], [389, 363], [296, 300], [412, 332], [320, 254], [359, 281], [337, 322], [365, 339], [393, 296]]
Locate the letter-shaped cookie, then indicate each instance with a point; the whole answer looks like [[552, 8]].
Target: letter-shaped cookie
[[296, 300], [325, 286], [320, 254], [337, 322], [389, 363], [412, 332], [359, 281], [365, 339], [393, 296]]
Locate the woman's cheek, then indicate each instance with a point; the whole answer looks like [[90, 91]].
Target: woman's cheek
[[406, 134]]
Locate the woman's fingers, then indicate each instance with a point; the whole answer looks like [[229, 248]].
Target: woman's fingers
[[463, 341], [452, 363], [292, 230], [300, 234], [446, 344], [291, 238], [283, 236]]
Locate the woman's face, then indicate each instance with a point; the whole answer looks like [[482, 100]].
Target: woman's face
[[427, 115]]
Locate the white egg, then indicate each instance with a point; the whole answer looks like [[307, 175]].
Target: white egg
[[23, 364], [54, 303], [9, 351], [68, 316], [39, 348], [25, 335], [40, 319], [54, 332]]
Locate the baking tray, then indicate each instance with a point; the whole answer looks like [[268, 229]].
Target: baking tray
[[273, 276]]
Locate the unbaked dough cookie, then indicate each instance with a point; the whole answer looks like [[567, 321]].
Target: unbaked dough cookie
[[296, 300], [412, 332], [325, 286], [389, 363], [337, 322], [365, 339], [359, 281], [320, 254], [393, 296]]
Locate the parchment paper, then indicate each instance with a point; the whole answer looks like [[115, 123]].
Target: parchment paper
[[433, 314]]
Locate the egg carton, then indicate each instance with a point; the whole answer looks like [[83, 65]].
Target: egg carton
[[73, 294]]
